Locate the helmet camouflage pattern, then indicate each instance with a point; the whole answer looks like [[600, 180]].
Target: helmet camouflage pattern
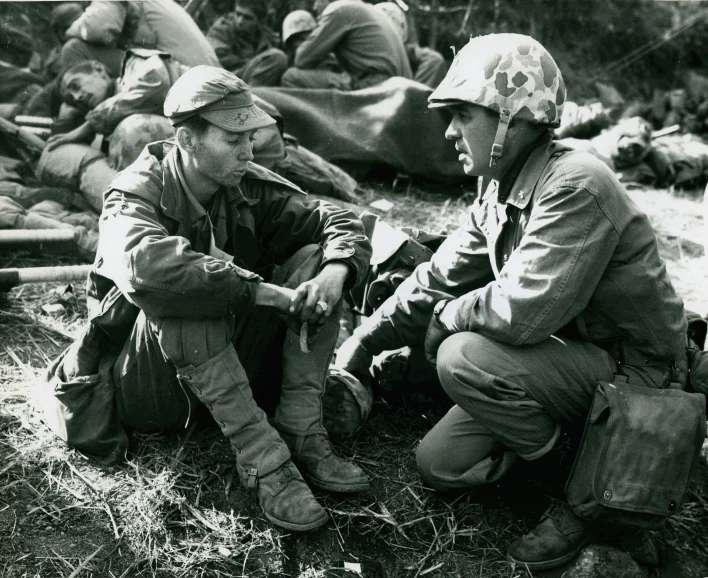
[[506, 73]]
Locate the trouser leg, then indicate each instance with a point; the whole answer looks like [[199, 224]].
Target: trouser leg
[[298, 415], [431, 68], [170, 365], [266, 68], [522, 394], [299, 411], [459, 452]]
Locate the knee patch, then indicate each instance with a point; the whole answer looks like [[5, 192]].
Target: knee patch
[[192, 342]]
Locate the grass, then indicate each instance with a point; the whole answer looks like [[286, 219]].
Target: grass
[[176, 507]]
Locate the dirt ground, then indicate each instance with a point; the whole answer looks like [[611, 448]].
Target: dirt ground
[[176, 508]]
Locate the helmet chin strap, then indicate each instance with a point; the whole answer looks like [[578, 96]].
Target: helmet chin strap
[[502, 127]]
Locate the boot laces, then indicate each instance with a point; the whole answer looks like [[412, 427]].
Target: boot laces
[[563, 517]]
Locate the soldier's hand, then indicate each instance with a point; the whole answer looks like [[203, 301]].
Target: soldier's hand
[[437, 333], [83, 133], [353, 357], [315, 299]]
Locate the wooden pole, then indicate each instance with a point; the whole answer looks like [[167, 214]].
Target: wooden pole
[[27, 236], [10, 278]]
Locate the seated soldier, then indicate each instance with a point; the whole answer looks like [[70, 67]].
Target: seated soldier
[[106, 29], [296, 28], [428, 65], [245, 45], [207, 271], [142, 88], [363, 39], [553, 282]]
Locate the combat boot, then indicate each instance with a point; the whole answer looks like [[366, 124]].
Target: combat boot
[[298, 416], [314, 456], [557, 539], [262, 458], [288, 502]]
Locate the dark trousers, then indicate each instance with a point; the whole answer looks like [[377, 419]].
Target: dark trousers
[[512, 401], [149, 395]]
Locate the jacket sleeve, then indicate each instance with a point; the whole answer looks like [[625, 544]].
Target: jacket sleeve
[[322, 40], [159, 272], [550, 277], [288, 221], [459, 265], [220, 36], [101, 23], [145, 85]]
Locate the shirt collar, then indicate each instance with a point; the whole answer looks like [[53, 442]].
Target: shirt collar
[[525, 184]]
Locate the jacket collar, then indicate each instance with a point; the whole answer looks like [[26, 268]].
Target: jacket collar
[[526, 182], [154, 177]]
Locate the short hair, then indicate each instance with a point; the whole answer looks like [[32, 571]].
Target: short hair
[[197, 124], [258, 7], [82, 67]]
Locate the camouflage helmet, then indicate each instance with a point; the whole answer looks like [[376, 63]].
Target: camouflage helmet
[[510, 74], [297, 21], [505, 72], [397, 16]]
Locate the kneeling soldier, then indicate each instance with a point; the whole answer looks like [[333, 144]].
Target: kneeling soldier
[[552, 284]]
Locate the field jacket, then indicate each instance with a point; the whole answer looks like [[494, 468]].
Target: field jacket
[[154, 243], [233, 49], [566, 252], [363, 39], [159, 24]]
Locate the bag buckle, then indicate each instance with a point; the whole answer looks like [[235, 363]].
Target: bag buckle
[[252, 478]]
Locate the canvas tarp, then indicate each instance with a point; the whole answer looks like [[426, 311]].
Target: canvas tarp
[[387, 124]]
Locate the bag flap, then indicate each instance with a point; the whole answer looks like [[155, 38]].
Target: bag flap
[[652, 440]]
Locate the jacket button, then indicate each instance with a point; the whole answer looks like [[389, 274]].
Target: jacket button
[[607, 495], [672, 505]]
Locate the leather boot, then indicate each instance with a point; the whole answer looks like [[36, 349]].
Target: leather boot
[[263, 459], [314, 456], [298, 416], [557, 539]]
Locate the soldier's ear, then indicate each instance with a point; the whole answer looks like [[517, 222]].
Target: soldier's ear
[[185, 139]]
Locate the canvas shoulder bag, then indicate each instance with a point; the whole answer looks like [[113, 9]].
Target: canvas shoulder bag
[[636, 453]]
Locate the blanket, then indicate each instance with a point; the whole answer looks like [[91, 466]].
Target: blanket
[[388, 124]]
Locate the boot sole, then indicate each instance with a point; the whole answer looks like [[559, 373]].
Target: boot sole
[[555, 562], [297, 527], [339, 488]]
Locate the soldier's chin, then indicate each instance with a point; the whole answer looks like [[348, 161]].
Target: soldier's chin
[[468, 167]]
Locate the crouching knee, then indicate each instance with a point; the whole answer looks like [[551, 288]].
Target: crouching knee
[[432, 461], [192, 342]]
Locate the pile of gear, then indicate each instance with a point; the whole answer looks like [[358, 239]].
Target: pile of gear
[[658, 143]]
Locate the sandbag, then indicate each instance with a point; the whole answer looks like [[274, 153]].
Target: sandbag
[[64, 167], [132, 134]]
